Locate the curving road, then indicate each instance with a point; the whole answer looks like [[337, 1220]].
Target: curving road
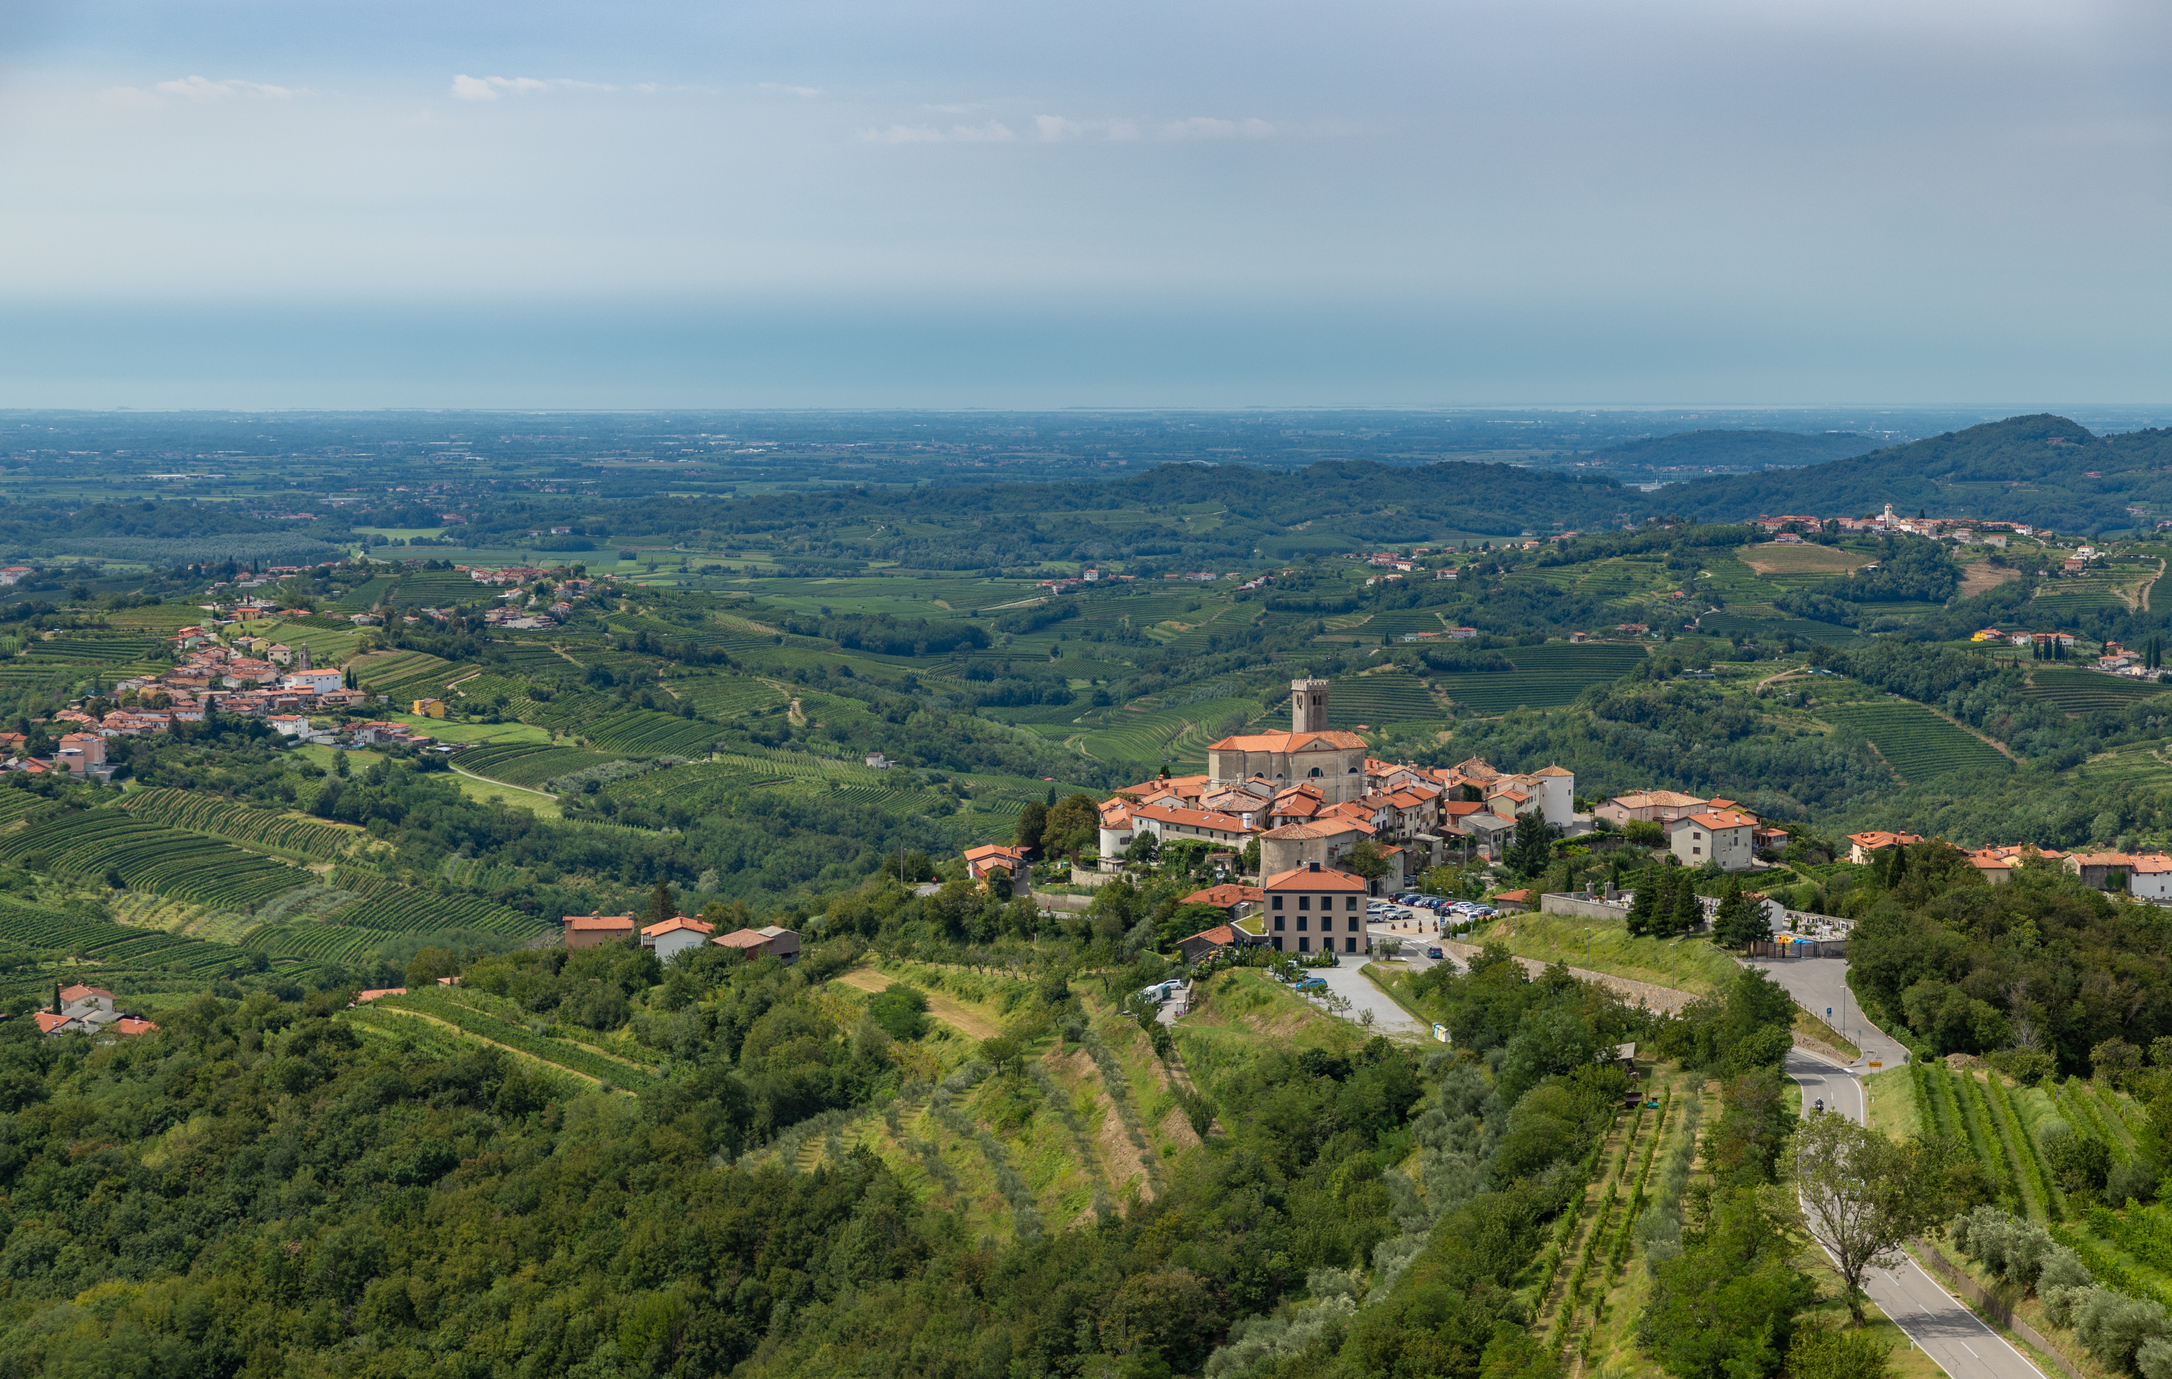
[[1956, 1338]]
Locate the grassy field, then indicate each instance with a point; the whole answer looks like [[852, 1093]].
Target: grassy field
[[1599, 945]]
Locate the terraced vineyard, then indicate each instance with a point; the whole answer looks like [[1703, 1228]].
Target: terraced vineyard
[[106, 651], [405, 674], [1147, 738], [2077, 691], [151, 857], [454, 1008], [1387, 697], [530, 764], [109, 943], [225, 819], [318, 942], [526, 658], [1917, 743], [1394, 622], [397, 909], [1545, 676], [727, 696]]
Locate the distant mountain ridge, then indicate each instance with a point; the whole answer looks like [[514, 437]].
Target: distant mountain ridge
[[2044, 470], [1720, 447]]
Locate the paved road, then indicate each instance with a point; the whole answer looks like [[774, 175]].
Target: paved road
[[1821, 984], [1956, 1338], [1350, 982]]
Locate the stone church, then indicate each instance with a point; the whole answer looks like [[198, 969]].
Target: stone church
[[1334, 762]]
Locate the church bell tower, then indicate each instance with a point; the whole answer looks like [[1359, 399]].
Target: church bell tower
[[1308, 706]]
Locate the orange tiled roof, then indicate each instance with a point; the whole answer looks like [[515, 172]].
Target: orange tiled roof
[[1306, 879], [608, 923]]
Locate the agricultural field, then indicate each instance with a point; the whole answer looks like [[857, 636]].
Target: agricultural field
[[98, 651], [530, 765], [1545, 676], [1392, 696], [143, 855], [1918, 744], [726, 696], [405, 674], [2077, 691], [287, 833]]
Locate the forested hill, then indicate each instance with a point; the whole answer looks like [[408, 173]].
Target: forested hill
[[1360, 499], [1721, 448], [2043, 469]]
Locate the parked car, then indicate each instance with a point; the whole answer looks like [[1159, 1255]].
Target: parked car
[[1482, 912], [1312, 984], [1433, 952]]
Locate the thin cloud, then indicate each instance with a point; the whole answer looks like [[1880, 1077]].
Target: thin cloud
[[467, 88], [807, 92], [991, 132], [203, 91], [1058, 129]]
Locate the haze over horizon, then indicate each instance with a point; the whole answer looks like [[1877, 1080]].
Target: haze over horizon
[[662, 205]]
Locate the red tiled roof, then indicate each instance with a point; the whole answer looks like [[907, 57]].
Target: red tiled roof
[[1306, 879], [608, 923], [677, 922], [741, 938], [1225, 895], [1221, 935]]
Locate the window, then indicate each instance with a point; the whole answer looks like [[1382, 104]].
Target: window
[[1304, 945], [1278, 929], [1696, 852], [1695, 836], [1302, 922], [1349, 902], [1353, 924], [1349, 945], [1304, 902], [1278, 902], [1278, 942]]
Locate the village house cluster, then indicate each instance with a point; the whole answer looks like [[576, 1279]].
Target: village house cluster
[[81, 1009], [2142, 875], [1312, 795], [680, 933]]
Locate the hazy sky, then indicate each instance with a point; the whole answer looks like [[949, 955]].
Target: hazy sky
[[827, 202]]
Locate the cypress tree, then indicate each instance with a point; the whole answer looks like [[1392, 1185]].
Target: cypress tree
[[1688, 910], [1644, 905]]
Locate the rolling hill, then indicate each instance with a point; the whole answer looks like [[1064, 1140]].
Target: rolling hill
[[2042, 469]]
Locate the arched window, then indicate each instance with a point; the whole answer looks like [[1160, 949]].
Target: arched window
[[1315, 771]]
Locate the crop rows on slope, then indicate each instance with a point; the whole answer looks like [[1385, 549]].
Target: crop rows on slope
[[368, 593], [530, 659], [726, 696], [1917, 743], [226, 819], [400, 670], [486, 1026], [635, 732], [530, 763], [2087, 691], [1390, 697], [107, 651], [320, 941], [107, 942], [151, 857], [405, 910]]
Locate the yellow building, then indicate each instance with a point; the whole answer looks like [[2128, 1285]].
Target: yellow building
[[429, 708]]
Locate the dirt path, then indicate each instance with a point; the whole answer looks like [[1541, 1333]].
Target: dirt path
[[517, 1053], [1660, 998], [507, 785], [941, 1007]]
